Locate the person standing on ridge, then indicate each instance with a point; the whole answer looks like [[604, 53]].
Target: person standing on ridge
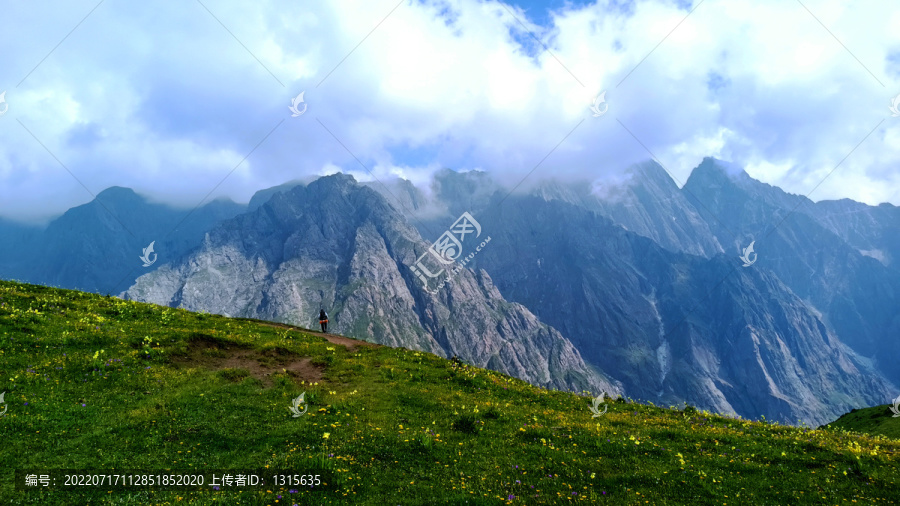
[[323, 319]]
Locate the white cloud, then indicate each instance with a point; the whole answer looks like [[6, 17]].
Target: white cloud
[[163, 99]]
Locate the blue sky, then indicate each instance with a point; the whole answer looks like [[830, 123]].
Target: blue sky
[[184, 100], [538, 11]]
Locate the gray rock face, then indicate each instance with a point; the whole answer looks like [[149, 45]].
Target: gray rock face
[[262, 196], [661, 322], [873, 231], [756, 347], [648, 204], [804, 245], [338, 245]]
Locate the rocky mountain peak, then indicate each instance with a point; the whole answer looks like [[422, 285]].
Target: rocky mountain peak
[[118, 193], [339, 244]]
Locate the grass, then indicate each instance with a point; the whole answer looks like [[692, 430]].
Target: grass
[[877, 420], [100, 383]]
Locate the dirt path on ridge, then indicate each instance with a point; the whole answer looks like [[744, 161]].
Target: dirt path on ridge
[[349, 343]]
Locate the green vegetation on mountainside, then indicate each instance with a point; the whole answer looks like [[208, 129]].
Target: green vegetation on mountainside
[[877, 420], [99, 383]]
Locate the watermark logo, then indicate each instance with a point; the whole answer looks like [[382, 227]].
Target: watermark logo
[[297, 402], [447, 250], [595, 409], [598, 101], [894, 409], [895, 106], [746, 256], [4, 107], [146, 257], [3, 403], [295, 102]]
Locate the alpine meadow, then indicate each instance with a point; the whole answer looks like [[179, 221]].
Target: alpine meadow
[[450, 252]]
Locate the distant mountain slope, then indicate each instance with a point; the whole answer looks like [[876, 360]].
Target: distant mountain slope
[[858, 296], [658, 321], [647, 203], [339, 245], [262, 196], [96, 247], [18, 243], [873, 231]]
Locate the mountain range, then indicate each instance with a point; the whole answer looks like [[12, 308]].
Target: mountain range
[[635, 289]]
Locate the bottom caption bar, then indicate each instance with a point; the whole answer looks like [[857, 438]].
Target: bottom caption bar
[[215, 480]]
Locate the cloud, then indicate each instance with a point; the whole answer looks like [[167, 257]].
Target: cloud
[[171, 99]]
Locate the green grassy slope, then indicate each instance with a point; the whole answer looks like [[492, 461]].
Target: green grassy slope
[[99, 383], [878, 420]]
